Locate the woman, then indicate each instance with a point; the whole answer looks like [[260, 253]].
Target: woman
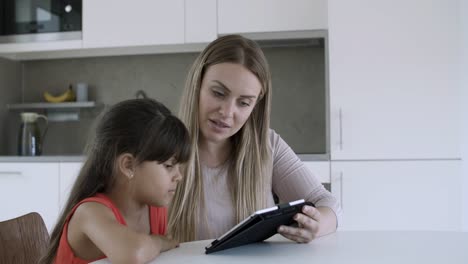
[[237, 160]]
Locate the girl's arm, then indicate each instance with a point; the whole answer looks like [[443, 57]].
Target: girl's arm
[[118, 243]]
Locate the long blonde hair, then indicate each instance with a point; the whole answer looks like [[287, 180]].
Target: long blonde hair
[[250, 161]]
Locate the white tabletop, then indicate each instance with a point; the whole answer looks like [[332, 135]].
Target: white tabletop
[[342, 247]]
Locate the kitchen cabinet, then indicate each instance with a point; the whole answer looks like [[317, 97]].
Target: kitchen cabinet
[[398, 195], [118, 27], [68, 173], [251, 16], [29, 187], [320, 169], [120, 23], [11, 50], [200, 21], [393, 76]]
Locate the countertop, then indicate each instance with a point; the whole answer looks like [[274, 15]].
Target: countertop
[[402, 247], [76, 158], [80, 158]]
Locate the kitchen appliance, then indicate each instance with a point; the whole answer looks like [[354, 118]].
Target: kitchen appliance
[[40, 20], [30, 137]]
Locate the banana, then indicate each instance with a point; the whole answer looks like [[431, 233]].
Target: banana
[[67, 96]]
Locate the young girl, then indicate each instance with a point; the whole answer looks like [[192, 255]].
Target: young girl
[[116, 207], [238, 161]]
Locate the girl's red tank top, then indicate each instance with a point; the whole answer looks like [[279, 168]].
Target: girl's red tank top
[[158, 224]]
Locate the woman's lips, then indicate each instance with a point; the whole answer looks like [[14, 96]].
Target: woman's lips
[[219, 124]]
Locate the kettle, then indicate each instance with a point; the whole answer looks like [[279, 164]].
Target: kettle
[[30, 137]]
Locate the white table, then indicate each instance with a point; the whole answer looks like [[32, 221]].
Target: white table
[[396, 247]]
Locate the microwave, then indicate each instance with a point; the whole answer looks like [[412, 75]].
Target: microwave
[[40, 20]]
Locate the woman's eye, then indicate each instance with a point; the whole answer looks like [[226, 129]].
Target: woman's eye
[[244, 103], [168, 166], [218, 94]]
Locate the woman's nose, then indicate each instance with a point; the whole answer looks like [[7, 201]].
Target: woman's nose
[[227, 108]]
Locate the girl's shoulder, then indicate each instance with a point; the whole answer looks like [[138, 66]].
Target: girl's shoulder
[[85, 215], [95, 203]]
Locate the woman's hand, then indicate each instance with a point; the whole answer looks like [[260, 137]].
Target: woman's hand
[[312, 223], [166, 242]]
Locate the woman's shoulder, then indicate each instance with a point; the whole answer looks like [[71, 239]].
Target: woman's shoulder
[[276, 141], [274, 137]]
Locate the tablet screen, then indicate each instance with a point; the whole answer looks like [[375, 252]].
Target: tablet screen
[[259, 226]]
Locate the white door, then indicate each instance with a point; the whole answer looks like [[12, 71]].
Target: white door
[[398, 195], [121, 23], [68, 174], [249, 16], [29, 187], [394, 79]]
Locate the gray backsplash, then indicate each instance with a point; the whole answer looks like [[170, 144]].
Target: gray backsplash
[[298, 112], [10, 91]]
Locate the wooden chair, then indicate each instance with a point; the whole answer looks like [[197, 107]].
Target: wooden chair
[[23, 239]]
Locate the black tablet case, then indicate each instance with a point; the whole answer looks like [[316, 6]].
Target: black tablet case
[[258, 227]]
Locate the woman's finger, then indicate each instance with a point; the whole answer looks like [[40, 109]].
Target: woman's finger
[[297, 239], [300, 235], [307, 222]]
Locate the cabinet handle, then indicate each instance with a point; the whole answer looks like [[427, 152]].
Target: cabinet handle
[[341, 190], [341, 129]]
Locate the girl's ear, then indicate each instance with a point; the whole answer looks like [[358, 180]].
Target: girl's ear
[[126, 165]]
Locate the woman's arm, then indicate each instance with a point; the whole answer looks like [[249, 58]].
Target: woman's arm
[[292, 180], [118, 243], [313, 223]]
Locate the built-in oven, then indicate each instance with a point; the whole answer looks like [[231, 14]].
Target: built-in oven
[[40, 20]]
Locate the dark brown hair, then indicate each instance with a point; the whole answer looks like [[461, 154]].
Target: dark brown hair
[[144, 128]]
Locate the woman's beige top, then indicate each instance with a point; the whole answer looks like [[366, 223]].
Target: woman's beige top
[[292, 180]]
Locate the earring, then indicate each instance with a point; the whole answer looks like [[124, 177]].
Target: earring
[[130, 176]]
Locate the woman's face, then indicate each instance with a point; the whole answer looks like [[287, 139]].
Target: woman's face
[[228, 95]]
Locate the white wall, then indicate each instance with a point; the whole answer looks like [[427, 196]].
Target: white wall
[[464, 86]]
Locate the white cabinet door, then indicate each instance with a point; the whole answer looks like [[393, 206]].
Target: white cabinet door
[[249, 16], [321, 170], [398, 195], [68, 174], [29, 187], [121, 23], [394, 79], [200, 21]]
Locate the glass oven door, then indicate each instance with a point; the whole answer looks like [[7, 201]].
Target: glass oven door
[[39, 16]]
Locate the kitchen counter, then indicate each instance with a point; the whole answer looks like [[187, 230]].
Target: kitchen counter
[[342, 247], [76, 158]]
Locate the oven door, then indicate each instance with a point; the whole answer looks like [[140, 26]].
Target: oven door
[[19, 17]]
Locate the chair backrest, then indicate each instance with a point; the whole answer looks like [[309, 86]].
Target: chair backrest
[[23, 239]]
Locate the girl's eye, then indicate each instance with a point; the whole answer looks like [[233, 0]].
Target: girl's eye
[[168, 166]]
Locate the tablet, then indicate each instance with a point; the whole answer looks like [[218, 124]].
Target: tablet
[[259, 226]]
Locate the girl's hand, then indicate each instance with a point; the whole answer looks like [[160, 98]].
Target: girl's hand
[[308, 226]]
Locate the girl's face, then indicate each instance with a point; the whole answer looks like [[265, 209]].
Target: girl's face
[[228, 95], [156, 183]]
